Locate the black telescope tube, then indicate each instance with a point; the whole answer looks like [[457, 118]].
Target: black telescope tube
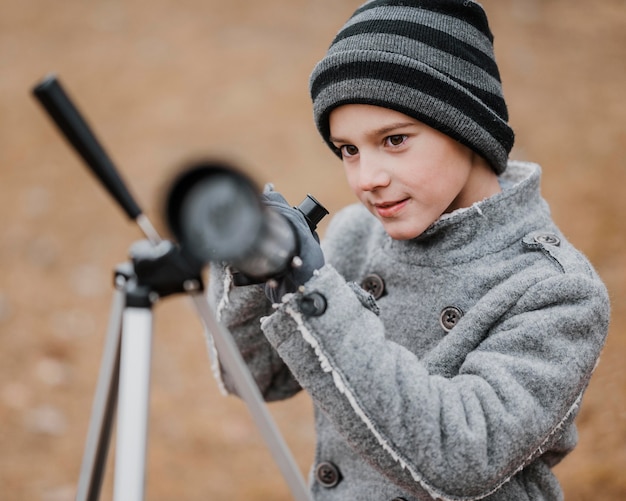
[[217, 216], [57, 103]]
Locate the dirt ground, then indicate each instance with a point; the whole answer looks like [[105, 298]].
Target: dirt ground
[[163, 82]]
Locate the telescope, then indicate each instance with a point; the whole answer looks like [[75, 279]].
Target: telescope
[[216, 214]]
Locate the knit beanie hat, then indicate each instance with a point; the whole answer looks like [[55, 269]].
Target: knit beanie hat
[[432, 60]]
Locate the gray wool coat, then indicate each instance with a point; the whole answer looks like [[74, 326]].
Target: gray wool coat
[[462, 380]]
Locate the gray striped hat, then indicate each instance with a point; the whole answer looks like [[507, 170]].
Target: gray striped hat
[[430, 59]]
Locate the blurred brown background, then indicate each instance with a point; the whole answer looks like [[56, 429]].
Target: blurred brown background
[[165, 81]]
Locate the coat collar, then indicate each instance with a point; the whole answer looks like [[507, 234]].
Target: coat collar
[[485, 227]]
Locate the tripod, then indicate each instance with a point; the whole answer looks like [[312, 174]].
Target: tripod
[[154, 272], [157, 269]]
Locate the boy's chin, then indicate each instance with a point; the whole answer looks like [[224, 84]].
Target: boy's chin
[[402, 232]]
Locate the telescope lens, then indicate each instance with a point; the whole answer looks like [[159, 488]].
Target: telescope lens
[[221, 217]]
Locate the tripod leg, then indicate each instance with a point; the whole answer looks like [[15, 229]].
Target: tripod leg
[[249, 392], [134, 397], [103, 407]]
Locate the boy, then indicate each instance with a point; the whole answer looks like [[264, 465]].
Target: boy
[[455, 368]]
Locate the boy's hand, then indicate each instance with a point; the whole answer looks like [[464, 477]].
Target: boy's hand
[[309, 250]]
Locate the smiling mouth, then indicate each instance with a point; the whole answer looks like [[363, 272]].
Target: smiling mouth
[[390, 209]]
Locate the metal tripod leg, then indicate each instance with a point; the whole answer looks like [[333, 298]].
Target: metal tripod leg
[[134, 403], [249, 392], [125, 378], [103, 408]]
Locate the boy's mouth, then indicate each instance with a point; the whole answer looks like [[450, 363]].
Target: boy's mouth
[[390, 209]]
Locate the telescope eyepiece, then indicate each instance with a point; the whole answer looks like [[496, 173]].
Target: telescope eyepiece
[[312, 210]]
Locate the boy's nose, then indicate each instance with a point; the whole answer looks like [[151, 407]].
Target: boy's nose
[[372, 174]]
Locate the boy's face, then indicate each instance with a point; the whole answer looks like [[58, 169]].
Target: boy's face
[[406, 173]]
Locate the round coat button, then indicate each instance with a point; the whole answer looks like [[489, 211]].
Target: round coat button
[[548, 239], [449, 317], [374, 285], [313, 305], [327, 474]]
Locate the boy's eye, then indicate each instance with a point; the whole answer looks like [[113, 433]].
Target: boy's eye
[[396, 140], [348, 150]]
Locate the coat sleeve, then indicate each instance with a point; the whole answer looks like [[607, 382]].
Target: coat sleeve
[[458, 437], [240, 310]]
